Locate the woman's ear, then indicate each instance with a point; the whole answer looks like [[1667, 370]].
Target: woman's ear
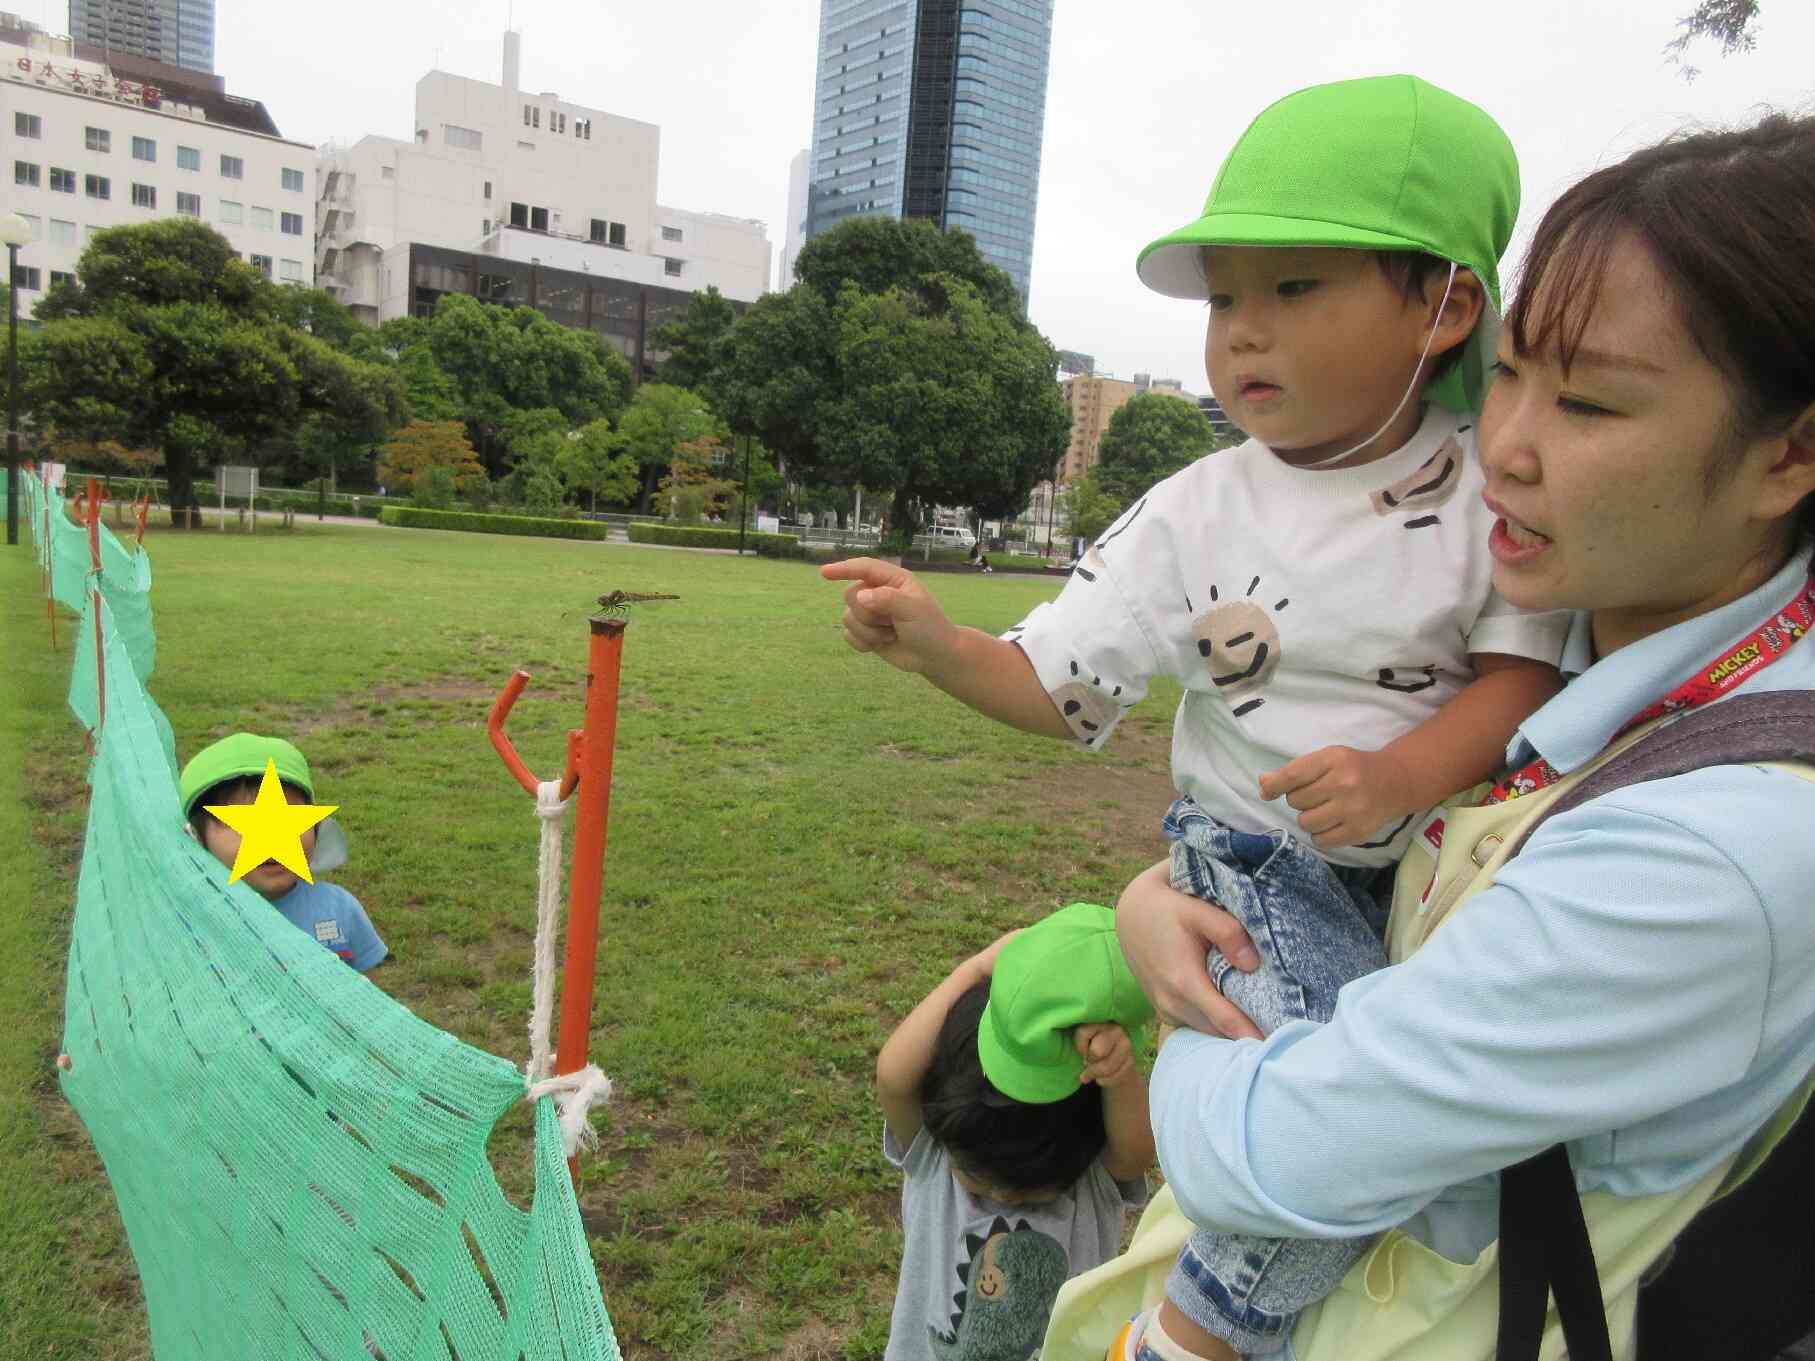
[[1802, 430], [1791, 476]]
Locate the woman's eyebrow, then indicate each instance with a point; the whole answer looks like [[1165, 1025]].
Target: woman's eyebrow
[[1605, 359]]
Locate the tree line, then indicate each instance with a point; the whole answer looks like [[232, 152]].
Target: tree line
[[898, 363]]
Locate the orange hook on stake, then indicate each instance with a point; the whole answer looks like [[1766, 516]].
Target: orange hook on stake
[[494, 729]]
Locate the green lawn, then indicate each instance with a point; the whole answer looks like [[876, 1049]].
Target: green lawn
[[802, 841]]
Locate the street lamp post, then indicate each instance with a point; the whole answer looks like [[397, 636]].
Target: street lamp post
[[743, 521], [15, 231], [1052, 501]]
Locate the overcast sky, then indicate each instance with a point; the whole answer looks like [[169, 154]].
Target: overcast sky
[[1144, 100]]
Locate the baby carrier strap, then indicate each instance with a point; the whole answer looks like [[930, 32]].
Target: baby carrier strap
[[1760, 1233], [1777, 726]]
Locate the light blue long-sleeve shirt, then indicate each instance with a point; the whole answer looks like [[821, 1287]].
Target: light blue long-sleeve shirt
[[1639, 982]]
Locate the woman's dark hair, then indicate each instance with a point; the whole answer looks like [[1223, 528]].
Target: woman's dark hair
[[1729, 219], [1009, 1144]]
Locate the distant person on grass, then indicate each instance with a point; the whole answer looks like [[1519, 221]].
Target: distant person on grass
[[1012, 1102], [229, 772], [1323, 593]]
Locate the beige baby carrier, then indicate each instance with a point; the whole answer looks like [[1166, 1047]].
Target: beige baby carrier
[[1404, 1302]]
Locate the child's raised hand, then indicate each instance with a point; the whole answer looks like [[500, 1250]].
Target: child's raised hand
[[1108, 1056], [1343, 796], [888, 612]]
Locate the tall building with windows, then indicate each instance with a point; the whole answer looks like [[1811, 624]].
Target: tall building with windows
[[99, 139], [933, 109], [175, 32]]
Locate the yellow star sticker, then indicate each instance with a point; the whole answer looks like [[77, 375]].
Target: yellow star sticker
[[271, 828]]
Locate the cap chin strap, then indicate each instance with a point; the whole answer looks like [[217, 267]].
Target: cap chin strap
[[1416, 370]]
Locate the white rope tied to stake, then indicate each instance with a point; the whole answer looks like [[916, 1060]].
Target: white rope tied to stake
[[574, 1093]]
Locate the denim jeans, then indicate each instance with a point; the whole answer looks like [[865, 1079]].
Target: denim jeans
[[1316, 926]]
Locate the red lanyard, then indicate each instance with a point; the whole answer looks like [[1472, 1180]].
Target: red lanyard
[[1745, 659]]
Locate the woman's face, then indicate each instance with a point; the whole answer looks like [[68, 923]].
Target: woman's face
[[1600, 476]]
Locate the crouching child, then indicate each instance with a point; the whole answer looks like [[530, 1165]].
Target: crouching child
[[1012, 1101]]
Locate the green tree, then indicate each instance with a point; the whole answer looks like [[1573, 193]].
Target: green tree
[[778, 365], [432, 395], [661, 419], [1088, 509], [1731, 23], [535, 443], [876, 254], [1150, 437], [401, 333], [325, 317], [697, 483], [173, 342], [422, 445], [926, 392], [507, 359], [695, 342], [599, 462]]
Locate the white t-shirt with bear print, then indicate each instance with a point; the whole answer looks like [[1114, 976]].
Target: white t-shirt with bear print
[[1300, 608]]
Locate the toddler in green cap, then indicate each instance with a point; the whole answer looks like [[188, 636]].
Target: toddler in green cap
[[229, 772], [1323, 593], [1013, 1105]]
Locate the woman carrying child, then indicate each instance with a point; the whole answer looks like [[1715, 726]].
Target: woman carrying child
[[1627, 969]]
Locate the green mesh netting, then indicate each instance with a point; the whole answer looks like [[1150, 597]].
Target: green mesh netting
[[300, 1162]]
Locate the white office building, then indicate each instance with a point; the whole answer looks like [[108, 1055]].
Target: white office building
[[524, 198], [794, 236], [99, 143]]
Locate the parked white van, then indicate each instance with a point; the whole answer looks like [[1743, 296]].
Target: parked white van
[[946, 536]]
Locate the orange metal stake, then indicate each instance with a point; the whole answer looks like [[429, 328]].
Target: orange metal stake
[[589, 755], [596, 748]]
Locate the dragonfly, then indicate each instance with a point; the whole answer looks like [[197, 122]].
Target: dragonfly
[[619, 602]]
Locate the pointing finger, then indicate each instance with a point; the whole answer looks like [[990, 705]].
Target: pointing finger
[[867, 571]]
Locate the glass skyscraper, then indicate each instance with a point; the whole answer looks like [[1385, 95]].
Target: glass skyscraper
[[934, 109], [180, 32]]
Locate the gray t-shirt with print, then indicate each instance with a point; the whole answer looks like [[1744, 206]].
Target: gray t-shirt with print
[[978, 1277]]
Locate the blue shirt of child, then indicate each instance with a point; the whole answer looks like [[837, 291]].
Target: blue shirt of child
[[334, 917]]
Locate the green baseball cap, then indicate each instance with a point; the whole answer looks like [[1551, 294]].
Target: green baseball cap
[[246, 753], [1062, 972], [1383, 163]]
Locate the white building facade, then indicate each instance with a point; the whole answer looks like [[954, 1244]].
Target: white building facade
[[513, 179], [794, 235], [90, 147]]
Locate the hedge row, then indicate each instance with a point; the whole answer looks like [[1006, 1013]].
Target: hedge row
[[302, 502], [410, 517], [705, 536]]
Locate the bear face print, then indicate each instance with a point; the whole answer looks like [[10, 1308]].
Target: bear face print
[[1239, 642], [1089, 710], [1423, 491]]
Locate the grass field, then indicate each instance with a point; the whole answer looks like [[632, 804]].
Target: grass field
[[802, 842]]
